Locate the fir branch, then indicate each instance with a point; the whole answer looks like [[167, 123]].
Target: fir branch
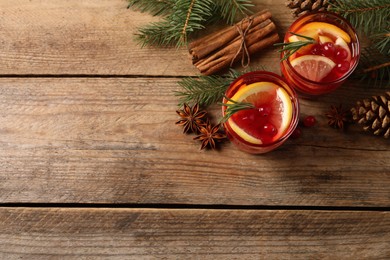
[[377, 67], [154, 7], [364, 14], [373, 67], [381, 41], [372, 18], [183, 17], [231, 9], [156, 34], [183, 36], [205, 90], [187, 16]]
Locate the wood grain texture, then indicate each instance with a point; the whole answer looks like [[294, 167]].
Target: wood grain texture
[[34, 233], [94, 138], [94, 37], [113, 140]]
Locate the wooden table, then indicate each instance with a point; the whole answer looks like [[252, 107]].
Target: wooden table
[[94, 167]]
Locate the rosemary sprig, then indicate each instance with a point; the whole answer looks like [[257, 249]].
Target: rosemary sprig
[[289, 48], [234, 107]]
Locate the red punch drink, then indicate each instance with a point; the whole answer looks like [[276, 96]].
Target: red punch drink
[[270, 121], [322, 66]]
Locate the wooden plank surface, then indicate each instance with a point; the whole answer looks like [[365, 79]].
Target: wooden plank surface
[[87, 116], [52, 233], [113, 140], [94, 37]]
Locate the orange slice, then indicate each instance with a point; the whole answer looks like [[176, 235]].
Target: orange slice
[[324, 39], [325, 29], [263, 94], [340, 42], [313, 67], [310, 33]]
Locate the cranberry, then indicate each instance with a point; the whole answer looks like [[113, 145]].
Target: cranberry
[[309, 121], [316, 50], [341, 54], [328, 49], [297, 133], [269, 129], [342, 66]]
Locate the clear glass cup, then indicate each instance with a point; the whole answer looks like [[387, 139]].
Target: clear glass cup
[[340, 72], [245, 81]]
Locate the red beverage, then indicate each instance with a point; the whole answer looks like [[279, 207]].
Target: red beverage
[[273, 118], [323, 66]]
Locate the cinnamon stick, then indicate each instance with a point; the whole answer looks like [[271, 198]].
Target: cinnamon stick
[[253, 35], [217, 51], [225, 62], [204, 46]]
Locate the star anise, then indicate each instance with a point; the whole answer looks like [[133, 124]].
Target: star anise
[[209, 135], [191, 118], [338, 117]]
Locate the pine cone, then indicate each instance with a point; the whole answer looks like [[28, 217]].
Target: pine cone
[[302, 7], [374, 114]]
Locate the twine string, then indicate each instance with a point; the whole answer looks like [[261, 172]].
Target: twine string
[[245, 58]]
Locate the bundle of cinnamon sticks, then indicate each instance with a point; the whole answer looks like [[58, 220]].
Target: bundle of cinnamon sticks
[[219, 50]]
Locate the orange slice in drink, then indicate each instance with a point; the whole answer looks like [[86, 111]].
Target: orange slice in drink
[[313, 67], [340, 42], [271, 117], [324, 39], [295, 38], [325, 29]]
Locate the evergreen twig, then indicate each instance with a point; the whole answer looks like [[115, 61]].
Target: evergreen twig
[[186, 17], [154, 7], [183, 17], [205, 90], [367, 15], [381, 41], [231, 9], [374, 67], [372, 18], [155, 34]]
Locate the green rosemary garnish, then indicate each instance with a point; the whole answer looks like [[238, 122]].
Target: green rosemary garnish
[[289, 48], [234, 107]]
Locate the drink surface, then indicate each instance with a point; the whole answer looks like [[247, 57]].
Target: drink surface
[[323, 66], [270, 117], [326, 60], [271, 120]]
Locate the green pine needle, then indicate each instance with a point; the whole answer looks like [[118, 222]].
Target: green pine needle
[[205, 90], [367, 15], [231, 9], [156, 34], [374, 67], [186, 16], [154, 7], [381, 41], [189, 16], [289, 48], [371, 18], [234, 107], [183, 17]]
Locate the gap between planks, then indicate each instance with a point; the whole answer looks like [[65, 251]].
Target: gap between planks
[[193, 206]]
